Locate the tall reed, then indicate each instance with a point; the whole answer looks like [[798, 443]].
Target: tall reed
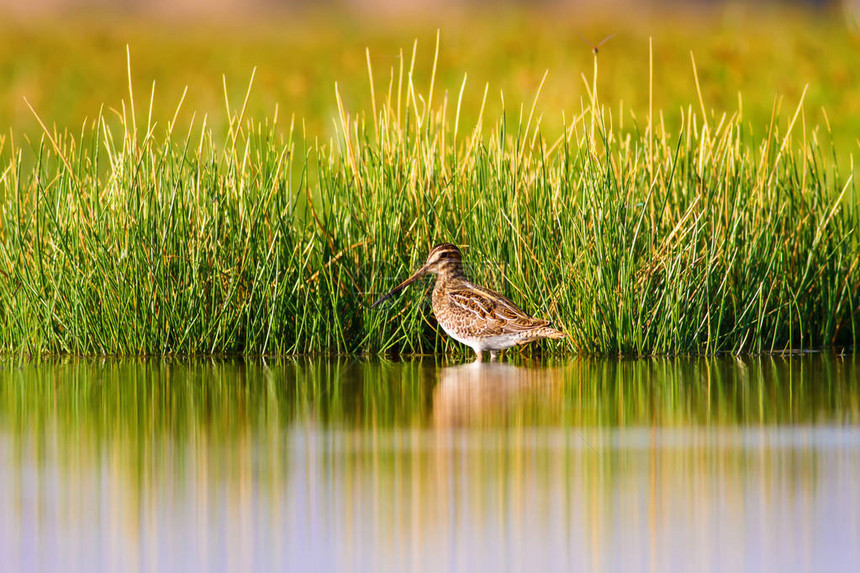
[[131, 238]]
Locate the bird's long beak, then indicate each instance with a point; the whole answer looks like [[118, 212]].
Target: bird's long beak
[[418, 274]]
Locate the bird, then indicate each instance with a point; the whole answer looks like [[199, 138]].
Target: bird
[[476, 316]]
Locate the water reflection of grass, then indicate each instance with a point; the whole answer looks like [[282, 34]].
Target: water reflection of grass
[[414, 455], [143, 399]]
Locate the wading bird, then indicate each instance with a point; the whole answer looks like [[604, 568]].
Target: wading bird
[[473, 315]]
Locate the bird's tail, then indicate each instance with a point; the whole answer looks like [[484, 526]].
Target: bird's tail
[[542, 332], [549, 332]]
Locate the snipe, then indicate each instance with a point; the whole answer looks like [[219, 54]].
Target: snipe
[[476, 316]]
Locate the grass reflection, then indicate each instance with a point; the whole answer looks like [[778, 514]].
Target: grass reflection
[[224, 398], [421, 465]]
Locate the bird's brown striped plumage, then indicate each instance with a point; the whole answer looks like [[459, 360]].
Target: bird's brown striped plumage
[[474, 315]]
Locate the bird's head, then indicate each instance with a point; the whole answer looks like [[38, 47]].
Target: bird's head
[[442, 259]]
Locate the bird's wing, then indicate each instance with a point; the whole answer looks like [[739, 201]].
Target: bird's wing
[[476, 303]]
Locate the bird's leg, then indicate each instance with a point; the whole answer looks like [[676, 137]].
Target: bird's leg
[[479, 356], [494, 355]]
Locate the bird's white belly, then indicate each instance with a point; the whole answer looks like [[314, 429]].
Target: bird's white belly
[[485, 343]]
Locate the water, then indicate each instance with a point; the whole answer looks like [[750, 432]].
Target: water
[[659, 465]]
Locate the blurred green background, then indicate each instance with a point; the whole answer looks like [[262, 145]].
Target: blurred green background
[[68, 60]]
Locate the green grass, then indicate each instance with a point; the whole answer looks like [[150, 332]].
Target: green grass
[[701, 235], [70, 68]]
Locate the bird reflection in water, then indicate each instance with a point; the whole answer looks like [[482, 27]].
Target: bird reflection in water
[[492, 394]]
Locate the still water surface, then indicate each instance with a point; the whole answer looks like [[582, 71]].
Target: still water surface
[[657, 465]]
